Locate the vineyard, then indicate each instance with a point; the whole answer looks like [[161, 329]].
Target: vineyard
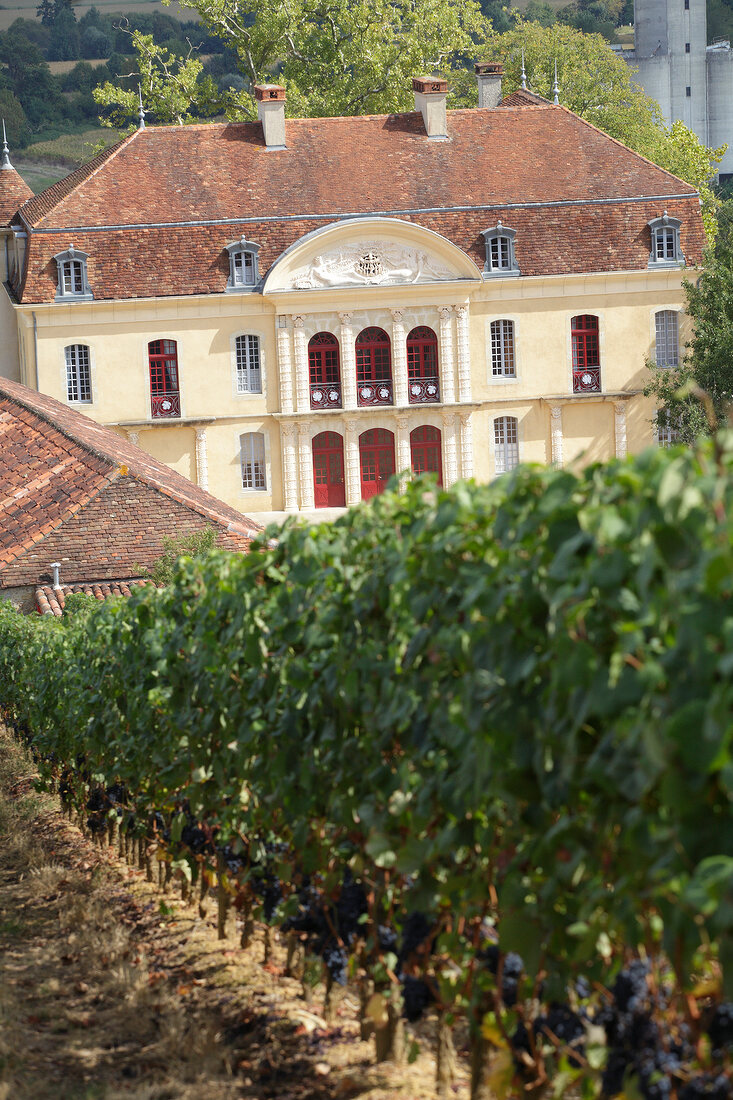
[[470, 750]]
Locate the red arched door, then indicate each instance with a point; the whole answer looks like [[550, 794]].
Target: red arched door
[[425, 451], [376, 460], [328, 470]]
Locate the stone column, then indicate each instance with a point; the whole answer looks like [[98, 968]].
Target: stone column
[[351, 459], [290, 468], [134, 437], [348, 362], [399, 358], [305, 464], [202, 461], [404, 458], [620, 425], [556, 426], [466, 445], [450, 450], [447, 356], [464, 355], [284, 365], [302, 389]]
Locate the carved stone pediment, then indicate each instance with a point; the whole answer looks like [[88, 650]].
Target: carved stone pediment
[[370, 263]]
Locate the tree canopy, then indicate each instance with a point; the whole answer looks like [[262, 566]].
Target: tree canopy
[[695, 397], [343, 57]]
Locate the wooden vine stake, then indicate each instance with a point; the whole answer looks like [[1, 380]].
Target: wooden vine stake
[[445, 1069], [222, 897], [385, 1010]]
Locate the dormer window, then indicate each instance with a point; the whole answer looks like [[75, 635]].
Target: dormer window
[[71, 269], [666, 250], [501, 259], [243, 268]]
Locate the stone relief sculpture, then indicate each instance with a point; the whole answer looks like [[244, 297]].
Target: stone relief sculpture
[[370, 263]]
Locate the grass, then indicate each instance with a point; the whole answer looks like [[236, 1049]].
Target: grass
[[46, 162], [27, 10], [70, 149]]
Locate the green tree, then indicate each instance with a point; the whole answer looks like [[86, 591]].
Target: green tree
[[193, 544], [173, 88], [696, 396], [16, 124], [598, 85], [343, 57]]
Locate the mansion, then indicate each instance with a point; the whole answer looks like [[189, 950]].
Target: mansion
[[289, 311]]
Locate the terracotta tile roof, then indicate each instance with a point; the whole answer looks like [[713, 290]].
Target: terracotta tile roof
[[39, 205], [13, 193], [51, 601], [155, 213], [57, 463]]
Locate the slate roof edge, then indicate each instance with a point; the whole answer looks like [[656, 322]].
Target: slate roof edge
[[336, 216]]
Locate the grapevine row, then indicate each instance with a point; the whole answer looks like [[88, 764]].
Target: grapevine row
[[506, 709]]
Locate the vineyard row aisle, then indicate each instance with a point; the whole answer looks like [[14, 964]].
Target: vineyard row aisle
[[110, 989]]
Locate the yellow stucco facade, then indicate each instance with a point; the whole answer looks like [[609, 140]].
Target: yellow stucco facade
[[316, 287]]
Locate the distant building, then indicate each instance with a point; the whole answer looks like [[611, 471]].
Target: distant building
[[78, 497], [288, 311], [690, 80]]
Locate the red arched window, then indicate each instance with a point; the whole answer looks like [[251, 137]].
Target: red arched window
[[325, 371], [425, 451], [373, 367], [422, 365], [586, 354], [165, 396], [328, 470], [376, 460]]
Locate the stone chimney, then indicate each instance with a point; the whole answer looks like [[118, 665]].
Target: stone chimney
[[271, 113], [489, 74], [431, 93]]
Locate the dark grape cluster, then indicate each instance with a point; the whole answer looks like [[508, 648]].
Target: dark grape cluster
[[720, 1027], [706, 1087], [330, 927], [416, 997]]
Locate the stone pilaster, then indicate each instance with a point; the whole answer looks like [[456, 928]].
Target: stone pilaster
[[464, 355], [450, 449], [619, 410], [290, 468], [305, 465], [447, 356], [399, 358], [348, 362], [284, 365], [466, 444], [202, 461], [557, 437], [404, 457], [351, 459], [302, 388]]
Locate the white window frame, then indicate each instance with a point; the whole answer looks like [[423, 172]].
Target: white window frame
[[666, 250], [252, 457], [502, 375], [244, 372], [67, 261], [243, 278], [667, 436], [667, 313], [505, 449], [74, 368], [501, 258]]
